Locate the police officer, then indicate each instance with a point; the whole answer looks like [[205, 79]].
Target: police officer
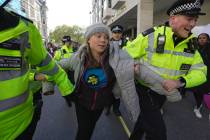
[[21, 46], [117, 35], [66, 50], [51, 48], [170, 51]]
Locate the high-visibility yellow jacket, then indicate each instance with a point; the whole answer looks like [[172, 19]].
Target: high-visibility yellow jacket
[[20, 46], [175, 62], [63, 52]]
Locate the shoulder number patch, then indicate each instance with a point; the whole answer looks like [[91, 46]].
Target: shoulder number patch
[[148, 31]]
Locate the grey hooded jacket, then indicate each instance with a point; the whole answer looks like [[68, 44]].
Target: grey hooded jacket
[[123, 67]]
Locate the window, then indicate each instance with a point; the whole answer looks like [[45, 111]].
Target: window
[[109, 3]]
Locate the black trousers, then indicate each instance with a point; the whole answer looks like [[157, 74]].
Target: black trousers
[[150, 122], [115, 104], [86, 121], [199, 91], [198, 97], [29, 131]]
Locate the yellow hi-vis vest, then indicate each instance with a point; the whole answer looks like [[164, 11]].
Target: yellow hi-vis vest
[[63, 52], [20, 46], [175, 62]]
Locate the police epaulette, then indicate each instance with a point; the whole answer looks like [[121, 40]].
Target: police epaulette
[[148, 31], [22, 17]]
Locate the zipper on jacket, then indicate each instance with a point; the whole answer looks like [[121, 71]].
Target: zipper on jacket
[[94, 100]]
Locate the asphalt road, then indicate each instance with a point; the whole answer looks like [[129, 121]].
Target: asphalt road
[[58, 122], [181, 122]]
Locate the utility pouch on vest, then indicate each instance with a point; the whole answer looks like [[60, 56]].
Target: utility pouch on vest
[[185, 67], [9, 62], [160, 43], [187, 50]]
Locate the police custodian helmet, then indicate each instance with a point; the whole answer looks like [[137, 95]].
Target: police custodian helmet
[[186, 7], [66, 39], [117, 28]]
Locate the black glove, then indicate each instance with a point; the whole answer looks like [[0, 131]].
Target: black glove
[[68, 102], [69, 99]]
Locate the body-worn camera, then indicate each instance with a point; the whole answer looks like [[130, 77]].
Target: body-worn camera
[[160, 43]]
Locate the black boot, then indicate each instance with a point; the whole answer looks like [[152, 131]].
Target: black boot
[[108, 110], [116, 106]]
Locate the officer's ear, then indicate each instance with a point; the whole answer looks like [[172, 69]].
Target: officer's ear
[[171, 20]]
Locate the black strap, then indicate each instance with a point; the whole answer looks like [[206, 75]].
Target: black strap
[[192, 45], [164, 32]]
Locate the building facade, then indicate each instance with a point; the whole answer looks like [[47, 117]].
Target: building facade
[[36, 11], [137, 15], [15, 6]]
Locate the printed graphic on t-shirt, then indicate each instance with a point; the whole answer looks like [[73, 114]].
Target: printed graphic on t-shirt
[[95, 78]]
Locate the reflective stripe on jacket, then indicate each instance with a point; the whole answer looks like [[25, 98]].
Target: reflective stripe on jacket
[[169, 63]]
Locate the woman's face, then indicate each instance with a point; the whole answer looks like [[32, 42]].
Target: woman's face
[[182, 25], [202, 39], [98, 42]]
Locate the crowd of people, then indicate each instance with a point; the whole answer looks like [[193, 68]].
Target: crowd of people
[[203, 90], [108, 68]]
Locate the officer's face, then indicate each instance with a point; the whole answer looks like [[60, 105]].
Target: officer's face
[[182, 25], [98, 43], [116, 35]]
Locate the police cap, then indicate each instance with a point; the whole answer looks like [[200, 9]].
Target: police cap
[[186, 7], [66, 39], [117, 28]]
